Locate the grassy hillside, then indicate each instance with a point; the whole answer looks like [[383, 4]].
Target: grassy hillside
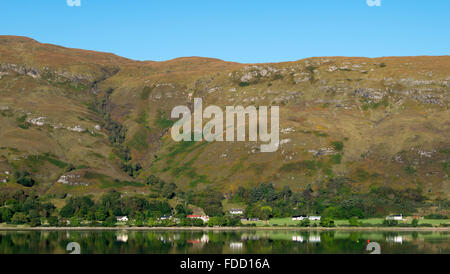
[[102, 121]]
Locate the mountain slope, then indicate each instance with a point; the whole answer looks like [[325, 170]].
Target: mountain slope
[[95, 121]]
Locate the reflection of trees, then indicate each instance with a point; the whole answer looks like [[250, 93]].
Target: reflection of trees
[[153, 242]]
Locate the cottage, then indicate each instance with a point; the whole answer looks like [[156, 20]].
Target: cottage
[[203, 218], [122, 218], [236, 211], [299, 218], [315, 218], [398, 217]]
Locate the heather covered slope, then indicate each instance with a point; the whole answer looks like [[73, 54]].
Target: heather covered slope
[[95, 121]]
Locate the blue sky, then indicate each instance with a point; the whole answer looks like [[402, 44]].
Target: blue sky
[[235, 30]]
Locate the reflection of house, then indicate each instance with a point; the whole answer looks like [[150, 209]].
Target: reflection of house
[[246, 237], [299, 218], [122, 237], [122, 218], [314, 239], [204, 239], [395, 239], [203, 218], [298, 239], [314, 218], [236, 245], [398, 217], [236, 211]]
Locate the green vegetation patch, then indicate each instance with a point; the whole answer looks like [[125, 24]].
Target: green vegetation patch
[[374, 105], [162, 121], [142, 118], [320, 134], [411, 170], [146, 93], [310, 166], [338, 146], [34, 161], [22, 123], [445, 168], [108, 182], [139, 140], [336, 158]]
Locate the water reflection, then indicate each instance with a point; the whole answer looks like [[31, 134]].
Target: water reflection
[[249, 241]]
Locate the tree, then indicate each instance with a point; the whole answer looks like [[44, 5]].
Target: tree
[[24, 178], [304, 223], [182, 211], [19, 218], [53, 221], [353, 221], [265, 212], [168, 190], [75, 221], [67, 211], [390, 222], [6, 214], [415, 222], [327, 222], [110, 221], [101, 213], [35, 222]]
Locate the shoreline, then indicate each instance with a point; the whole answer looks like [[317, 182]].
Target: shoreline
[[132, 228]]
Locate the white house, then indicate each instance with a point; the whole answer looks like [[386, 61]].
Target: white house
[[236, 211], [122, 218], [398, 217], [314, 218], [299, 218]]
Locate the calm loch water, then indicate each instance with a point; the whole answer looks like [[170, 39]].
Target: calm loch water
[[217, 242]]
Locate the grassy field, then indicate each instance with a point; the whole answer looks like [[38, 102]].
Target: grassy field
[[371, 221]]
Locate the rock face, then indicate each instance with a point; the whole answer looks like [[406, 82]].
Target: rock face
[[377, 122], [20, 69], [71, 180]]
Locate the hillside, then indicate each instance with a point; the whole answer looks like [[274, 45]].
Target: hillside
[[85, 122]]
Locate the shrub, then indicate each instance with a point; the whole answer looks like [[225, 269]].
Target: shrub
[[327, 222], [24, 179], [35, 222], [390, 223], [336, 158], [410, 170], [53, 221], [75, 221], [110, 221], [436, 216], [19, 218], [339, 146], [353, 221], [304, 223]]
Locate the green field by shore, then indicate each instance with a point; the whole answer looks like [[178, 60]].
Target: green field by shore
[[366, 222]]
